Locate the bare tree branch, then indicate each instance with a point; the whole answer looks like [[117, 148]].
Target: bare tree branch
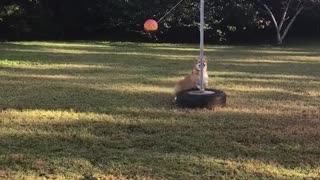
[[300, 3], [272, 16], [287, 18], [292, 21], [284, 16]]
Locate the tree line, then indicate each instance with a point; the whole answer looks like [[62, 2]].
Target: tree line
[[226, 20]]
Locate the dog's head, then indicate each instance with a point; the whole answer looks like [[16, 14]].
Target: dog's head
[[197, 66]]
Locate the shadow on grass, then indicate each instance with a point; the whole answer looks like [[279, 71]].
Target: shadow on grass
[[101, 90], [160, 60], [77, 96], [167, 48]]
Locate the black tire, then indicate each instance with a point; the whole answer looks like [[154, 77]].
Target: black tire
[[186, 100]]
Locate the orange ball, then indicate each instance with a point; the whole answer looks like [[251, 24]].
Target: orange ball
[[151, 25]]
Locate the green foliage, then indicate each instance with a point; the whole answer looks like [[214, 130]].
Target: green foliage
[[81, 19]]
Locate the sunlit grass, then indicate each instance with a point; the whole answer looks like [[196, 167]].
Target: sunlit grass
[[86, 110], [62, 44]]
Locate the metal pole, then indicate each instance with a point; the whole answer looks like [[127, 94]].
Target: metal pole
[[201, 45]]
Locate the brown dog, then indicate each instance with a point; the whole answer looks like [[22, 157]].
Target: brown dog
[[193, 80]]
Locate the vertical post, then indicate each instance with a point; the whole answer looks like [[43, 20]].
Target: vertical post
[[201, 45]]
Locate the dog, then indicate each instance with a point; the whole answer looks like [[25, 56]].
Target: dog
[[192, 81]]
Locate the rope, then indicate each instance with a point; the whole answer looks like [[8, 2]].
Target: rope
[[174, 7]]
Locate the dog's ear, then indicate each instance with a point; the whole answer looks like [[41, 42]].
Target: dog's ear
[[204, 59], [197, 59]]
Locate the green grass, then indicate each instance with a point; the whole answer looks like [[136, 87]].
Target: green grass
[[105, 110]]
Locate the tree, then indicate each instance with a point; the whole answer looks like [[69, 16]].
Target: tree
[[226, 20], [289, 11]]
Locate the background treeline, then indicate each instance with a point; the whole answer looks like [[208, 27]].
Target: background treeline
[[226, 20]]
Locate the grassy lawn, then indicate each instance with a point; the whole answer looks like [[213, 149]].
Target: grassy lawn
[[105, 110]]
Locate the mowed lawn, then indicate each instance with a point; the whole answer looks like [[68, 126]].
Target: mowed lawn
[[105, 110]]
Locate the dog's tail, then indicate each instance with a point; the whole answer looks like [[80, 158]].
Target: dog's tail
[[177, 89]]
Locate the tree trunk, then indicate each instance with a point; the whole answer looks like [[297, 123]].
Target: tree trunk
[[279, 38]]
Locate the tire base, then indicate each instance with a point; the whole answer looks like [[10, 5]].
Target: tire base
[[189, 99]]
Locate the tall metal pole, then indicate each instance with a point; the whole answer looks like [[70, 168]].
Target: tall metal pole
[[201, 45]]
